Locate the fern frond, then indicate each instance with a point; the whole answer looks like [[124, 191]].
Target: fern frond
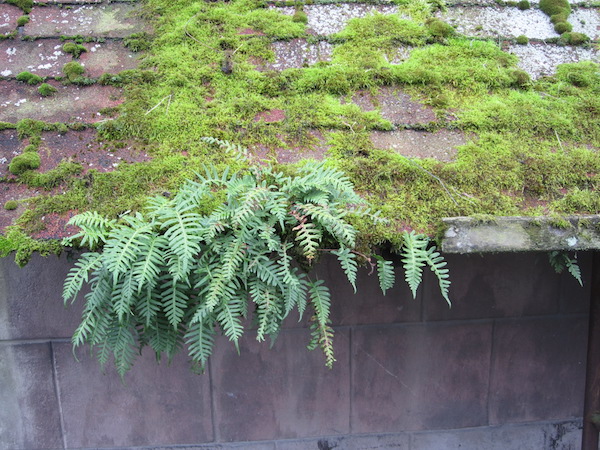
[[236, 150], [438, 267], [229, 314], [332, 220], [122, 342], [174, 300], [79, 274], [561, 260], [322, 337], [415, 256], [200, 341], [385, 273], [94, 229], [146, 269], [309, 238], [148, 305], [123, 297], [347, 260], [320, 299]]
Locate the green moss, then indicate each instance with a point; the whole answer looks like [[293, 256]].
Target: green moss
[[23, 246], [439, 29], [583, 74], [300, 16], [574, 38], [560, 17], [11, 205], [552, 7], [563, 27], [22, 21], [74, 49], [48, 180], [31, 148], [24, 162], [46, 90], [7, 126], [29, 78], [522, 40], [73, 70], [137, 42], [25, 5], [524, 5]]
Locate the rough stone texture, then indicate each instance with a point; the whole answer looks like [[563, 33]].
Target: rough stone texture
[[156, 404], [29, 416], [43, 57], [278, 393], [514, 234], [107, 57], [70, 104], [298, 53], [31, 305], [538, 370], [8, 19], [587, 21], [417, 377], [497, 21], [113, 20], [368, 305], [330, 19], [500, 285], [440, 145], [398, 442], [539, 59], [395, 106]]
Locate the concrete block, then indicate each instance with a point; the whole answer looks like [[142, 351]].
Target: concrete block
[[522, 437], [155, 405], [416, 377], [282, 392], [495, 285], [29, 415], [368, 305], [538, 370], [395, 441], [31, 305], [563, 435]]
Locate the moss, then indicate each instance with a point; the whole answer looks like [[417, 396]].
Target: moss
[[524, 5], [552, 7], [25, 5], [22, 21], [522, 40], [7, 126], [300, 16], [584, 74], [439, 29], [73, 70], [563, 27], [29, 78], [46, 90], [574, 38], [74, 49], [52, 178], [31, 148], [11, 205], [137, 42], [560, 17], [24, 162], [16, 241]]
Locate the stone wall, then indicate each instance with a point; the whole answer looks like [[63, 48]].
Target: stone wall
[[502, 369]]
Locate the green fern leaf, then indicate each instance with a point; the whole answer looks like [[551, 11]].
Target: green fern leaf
[[438, 267], [200, 341], [174, 301], [94, 229], [415, 256], [348, 262], [229, 315], [385, 273], [79, 274]]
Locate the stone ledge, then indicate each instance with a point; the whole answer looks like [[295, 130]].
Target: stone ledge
[[519, 234]]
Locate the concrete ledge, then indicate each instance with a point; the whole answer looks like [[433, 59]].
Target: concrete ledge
[[520, 234]]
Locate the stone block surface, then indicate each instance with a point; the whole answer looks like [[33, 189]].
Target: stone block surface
[[31, 305], [494, 285], [109, 20], [8, 19], [281, 392], [155, 405], [416, 377], [107, 57], [368, 305], [397, 441], [43, 57], [538, 370], [29, 415]]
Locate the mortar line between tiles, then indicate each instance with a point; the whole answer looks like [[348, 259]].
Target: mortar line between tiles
[[213, 406], [58, 396]]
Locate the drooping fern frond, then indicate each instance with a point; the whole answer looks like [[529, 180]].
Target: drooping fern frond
[[174, 275], [561, 260]]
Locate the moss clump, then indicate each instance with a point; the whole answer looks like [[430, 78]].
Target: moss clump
[[582, 74], [563, 27], [560, 17], [22, 21], [7, 126], [522, 40], [11, 205], [14, 240], [552, 7], [24, 162], [73, 70], [29, 78], [300, 16], [137, 42], [46, 90], [439, 29], [52, 178], [574, 38], [25, 5], [74, 49], [31, 148], [524, 5]]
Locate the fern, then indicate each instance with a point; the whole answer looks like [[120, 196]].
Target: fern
[[170, 277], [561, 260]]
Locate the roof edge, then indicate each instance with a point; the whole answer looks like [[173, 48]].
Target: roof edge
[[520, 234]]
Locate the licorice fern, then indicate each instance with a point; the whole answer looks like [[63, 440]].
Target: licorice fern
[[171, 277]]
